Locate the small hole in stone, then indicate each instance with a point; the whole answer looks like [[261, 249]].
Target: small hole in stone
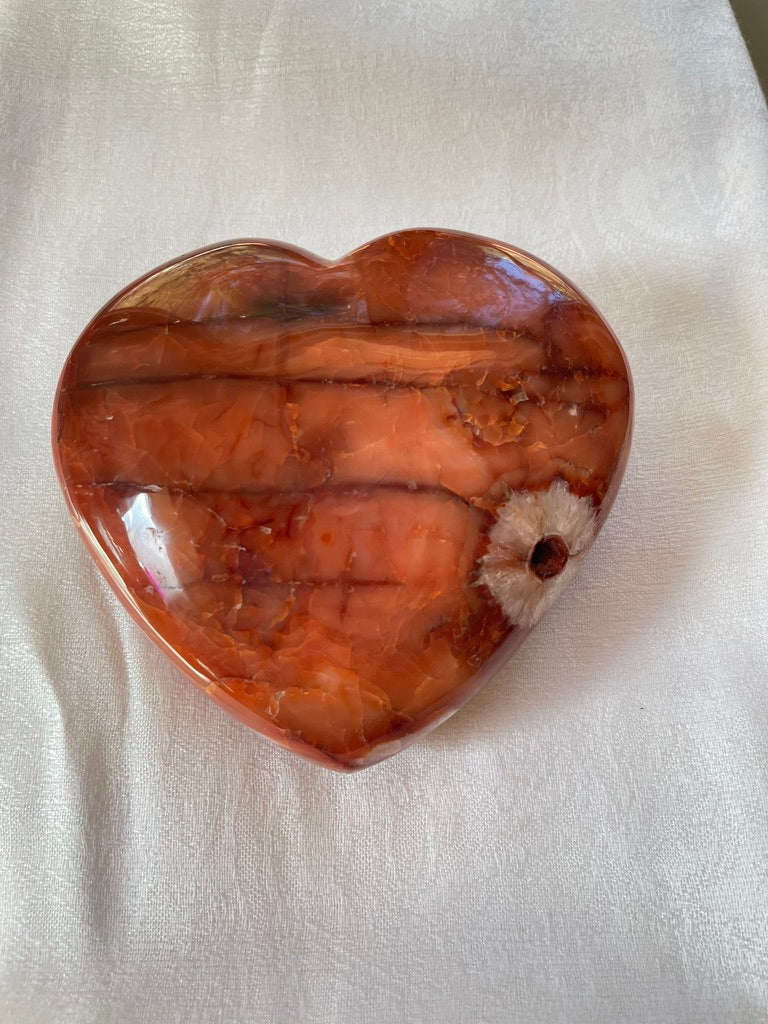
[[549, 557]]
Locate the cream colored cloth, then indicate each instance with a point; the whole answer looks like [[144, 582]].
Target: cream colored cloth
[[587, 841]]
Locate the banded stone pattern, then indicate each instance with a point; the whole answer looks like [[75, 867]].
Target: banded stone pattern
[[288, 469]]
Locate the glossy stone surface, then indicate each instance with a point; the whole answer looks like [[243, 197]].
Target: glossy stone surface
[[338, 495]]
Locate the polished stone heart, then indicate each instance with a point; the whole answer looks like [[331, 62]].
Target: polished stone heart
[[338, 495]]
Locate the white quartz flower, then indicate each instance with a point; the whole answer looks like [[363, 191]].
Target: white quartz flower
[[534, 549]]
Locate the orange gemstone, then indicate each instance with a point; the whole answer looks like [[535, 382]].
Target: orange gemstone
[[338, 495]]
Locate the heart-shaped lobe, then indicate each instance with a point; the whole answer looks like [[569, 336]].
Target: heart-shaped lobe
[[338, 495]]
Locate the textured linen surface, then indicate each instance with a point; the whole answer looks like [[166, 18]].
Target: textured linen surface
[[587, 841]]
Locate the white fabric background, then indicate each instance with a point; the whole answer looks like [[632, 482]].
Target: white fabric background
[[587, 841]]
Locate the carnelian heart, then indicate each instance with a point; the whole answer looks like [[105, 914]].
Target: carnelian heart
[[338, 495]]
